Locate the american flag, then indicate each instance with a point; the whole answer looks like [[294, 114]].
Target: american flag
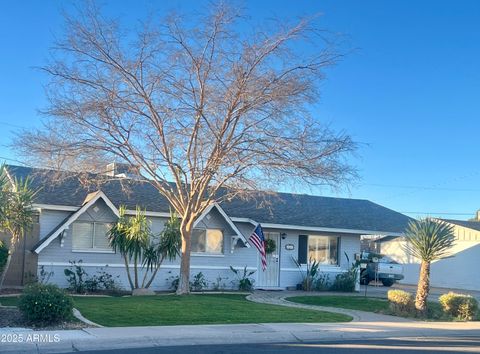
[[258, 239]]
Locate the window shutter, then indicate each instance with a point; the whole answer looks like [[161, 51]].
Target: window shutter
[[302, 249]]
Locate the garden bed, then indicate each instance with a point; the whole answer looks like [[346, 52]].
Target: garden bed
[[12, 317]]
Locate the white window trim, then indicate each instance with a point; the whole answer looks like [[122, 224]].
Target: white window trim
[[93, 249], [211, 254], [337, 265], [206, 254]]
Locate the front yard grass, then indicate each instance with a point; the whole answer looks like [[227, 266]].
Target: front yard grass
[[190, 309]]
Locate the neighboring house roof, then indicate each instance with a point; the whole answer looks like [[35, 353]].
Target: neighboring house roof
[[267, 208], [385, 239], [474, 225]]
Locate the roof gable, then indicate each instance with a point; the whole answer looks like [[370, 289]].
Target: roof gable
[[90, 200], [224, 216]]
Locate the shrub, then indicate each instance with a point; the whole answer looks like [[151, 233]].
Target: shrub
[[199, 282], [309, 274], [75, 277], [461, 306], [348, 280], [45, 275], [219, 283], [245, 283], [345, 282], [401, 302], [321, 282], [45, 304], [102, 281]]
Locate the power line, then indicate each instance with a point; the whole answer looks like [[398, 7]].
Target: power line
[[433, 213], [11, 125], [423, 187], [13, 160]]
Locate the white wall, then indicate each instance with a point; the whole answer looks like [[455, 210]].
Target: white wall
[[460, 271]]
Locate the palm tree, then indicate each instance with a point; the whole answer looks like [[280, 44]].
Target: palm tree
[[133, 239], [427, 240], [16, 213]]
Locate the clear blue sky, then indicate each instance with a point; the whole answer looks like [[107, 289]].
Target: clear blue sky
[[411, 92]]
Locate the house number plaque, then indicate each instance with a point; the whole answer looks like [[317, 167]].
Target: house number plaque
[[289, 247]]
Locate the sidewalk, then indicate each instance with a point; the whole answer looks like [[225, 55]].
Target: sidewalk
[[136, 337]]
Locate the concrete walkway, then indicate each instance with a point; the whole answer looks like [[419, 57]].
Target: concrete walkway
[[278, 298]]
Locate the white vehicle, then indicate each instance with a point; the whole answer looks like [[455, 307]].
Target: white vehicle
[[380, 268]]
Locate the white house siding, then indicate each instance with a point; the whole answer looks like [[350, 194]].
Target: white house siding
[[49, 219], [459, 271], [290, 275], [56, 256]]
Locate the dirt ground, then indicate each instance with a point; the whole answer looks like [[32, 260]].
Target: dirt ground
[[12, 317]]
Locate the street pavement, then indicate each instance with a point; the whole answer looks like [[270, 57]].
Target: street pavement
[[241, 334], [371, 346]]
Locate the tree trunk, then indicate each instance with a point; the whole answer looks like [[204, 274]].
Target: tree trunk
[[184, 280], [5, 269], [155, 272], [11, 250], [423, 287], [135, 269], [128, 271]]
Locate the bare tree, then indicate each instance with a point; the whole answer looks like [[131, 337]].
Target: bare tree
[[198, 102]]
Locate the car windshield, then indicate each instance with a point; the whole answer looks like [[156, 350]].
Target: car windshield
[[386, 259]]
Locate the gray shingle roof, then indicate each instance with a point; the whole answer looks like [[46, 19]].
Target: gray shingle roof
[[474, 225], [277, 208]]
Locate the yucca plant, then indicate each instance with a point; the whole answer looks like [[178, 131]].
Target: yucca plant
[[428, 240], [310, 273], [141, 249], [16, 212]]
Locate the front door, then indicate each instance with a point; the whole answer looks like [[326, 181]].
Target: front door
[[270, 278]]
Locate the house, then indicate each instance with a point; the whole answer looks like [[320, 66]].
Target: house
[[458, 271], [73, 220]]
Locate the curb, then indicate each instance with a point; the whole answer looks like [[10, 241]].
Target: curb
[[80, 317]]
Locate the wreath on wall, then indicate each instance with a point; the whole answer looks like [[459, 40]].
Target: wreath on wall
[[270, 246]]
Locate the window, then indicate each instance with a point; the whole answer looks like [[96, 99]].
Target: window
[[207, 241], [90, 236], [323, 249]]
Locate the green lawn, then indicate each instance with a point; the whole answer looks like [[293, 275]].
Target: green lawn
[[191, 309], [346, 302], [9, 300]]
